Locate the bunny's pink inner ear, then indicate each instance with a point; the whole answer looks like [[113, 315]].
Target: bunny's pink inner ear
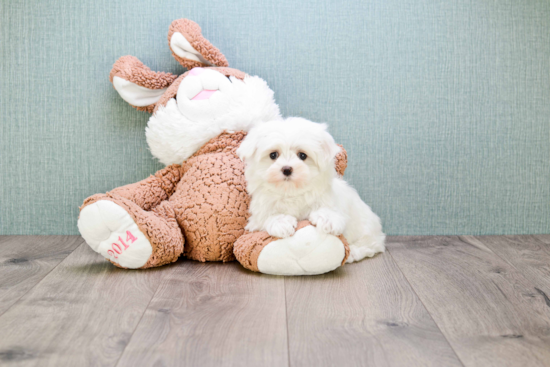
[[190, 48], [137, 84]]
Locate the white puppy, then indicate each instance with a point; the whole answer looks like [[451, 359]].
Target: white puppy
[[291, 176]]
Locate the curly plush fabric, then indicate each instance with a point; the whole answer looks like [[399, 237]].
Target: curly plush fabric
[[248, 247], [131, 69], [149, 193], [211, 202], [193, 33], [346, 247], [341, 161]]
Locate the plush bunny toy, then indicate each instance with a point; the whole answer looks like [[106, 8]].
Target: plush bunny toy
[[198, 204]]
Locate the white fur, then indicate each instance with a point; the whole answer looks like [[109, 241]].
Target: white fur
[[281, 225], [180, 128], [313, 191]]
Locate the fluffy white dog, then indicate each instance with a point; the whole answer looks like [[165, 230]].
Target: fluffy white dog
[[291, 176]]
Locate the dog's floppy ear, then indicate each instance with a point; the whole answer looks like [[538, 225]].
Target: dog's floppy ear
[[190, 48], [329, 146], [336, 152], [137, 84], [248, 146]]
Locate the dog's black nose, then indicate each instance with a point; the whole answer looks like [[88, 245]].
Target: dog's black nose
[[287, 170]]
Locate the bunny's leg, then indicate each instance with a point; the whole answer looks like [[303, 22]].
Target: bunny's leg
[[134, 226], [307, 252], [129, 236]]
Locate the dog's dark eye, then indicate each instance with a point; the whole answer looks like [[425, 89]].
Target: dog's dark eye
[[302, 156], [273, 155]]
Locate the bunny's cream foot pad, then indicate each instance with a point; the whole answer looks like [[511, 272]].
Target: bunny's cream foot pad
[[109, 230], [307, 252]]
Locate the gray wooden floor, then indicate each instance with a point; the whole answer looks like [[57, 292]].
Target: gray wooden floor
[[428, 301]]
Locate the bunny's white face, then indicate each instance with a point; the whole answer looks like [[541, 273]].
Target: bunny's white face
[[207, 103], [206, 94]]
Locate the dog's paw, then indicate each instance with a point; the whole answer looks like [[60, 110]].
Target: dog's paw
[[281, 226], [328, 221]]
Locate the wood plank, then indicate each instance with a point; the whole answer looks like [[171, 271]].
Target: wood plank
[[25, 260], [528, 254], [489, 312], [212, 314], [544, 238], [82, 313], [363, 314]]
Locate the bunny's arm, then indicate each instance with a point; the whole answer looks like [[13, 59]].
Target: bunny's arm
[[149, 193]]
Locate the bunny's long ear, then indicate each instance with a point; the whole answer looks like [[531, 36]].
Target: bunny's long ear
[[137, 84], [190, 48]]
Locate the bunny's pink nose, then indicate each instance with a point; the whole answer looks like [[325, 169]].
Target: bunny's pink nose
[[196, 71]]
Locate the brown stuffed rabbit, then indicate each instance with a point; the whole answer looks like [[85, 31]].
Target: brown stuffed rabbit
[[198, 204]]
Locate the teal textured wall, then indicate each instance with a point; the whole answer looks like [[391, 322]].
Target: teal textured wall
[[443, 106]]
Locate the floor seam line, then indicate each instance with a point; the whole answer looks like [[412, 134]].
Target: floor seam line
[[44, 277], [423, 305], [520, 272], [503, 259], [137, 324], [286, 319]]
